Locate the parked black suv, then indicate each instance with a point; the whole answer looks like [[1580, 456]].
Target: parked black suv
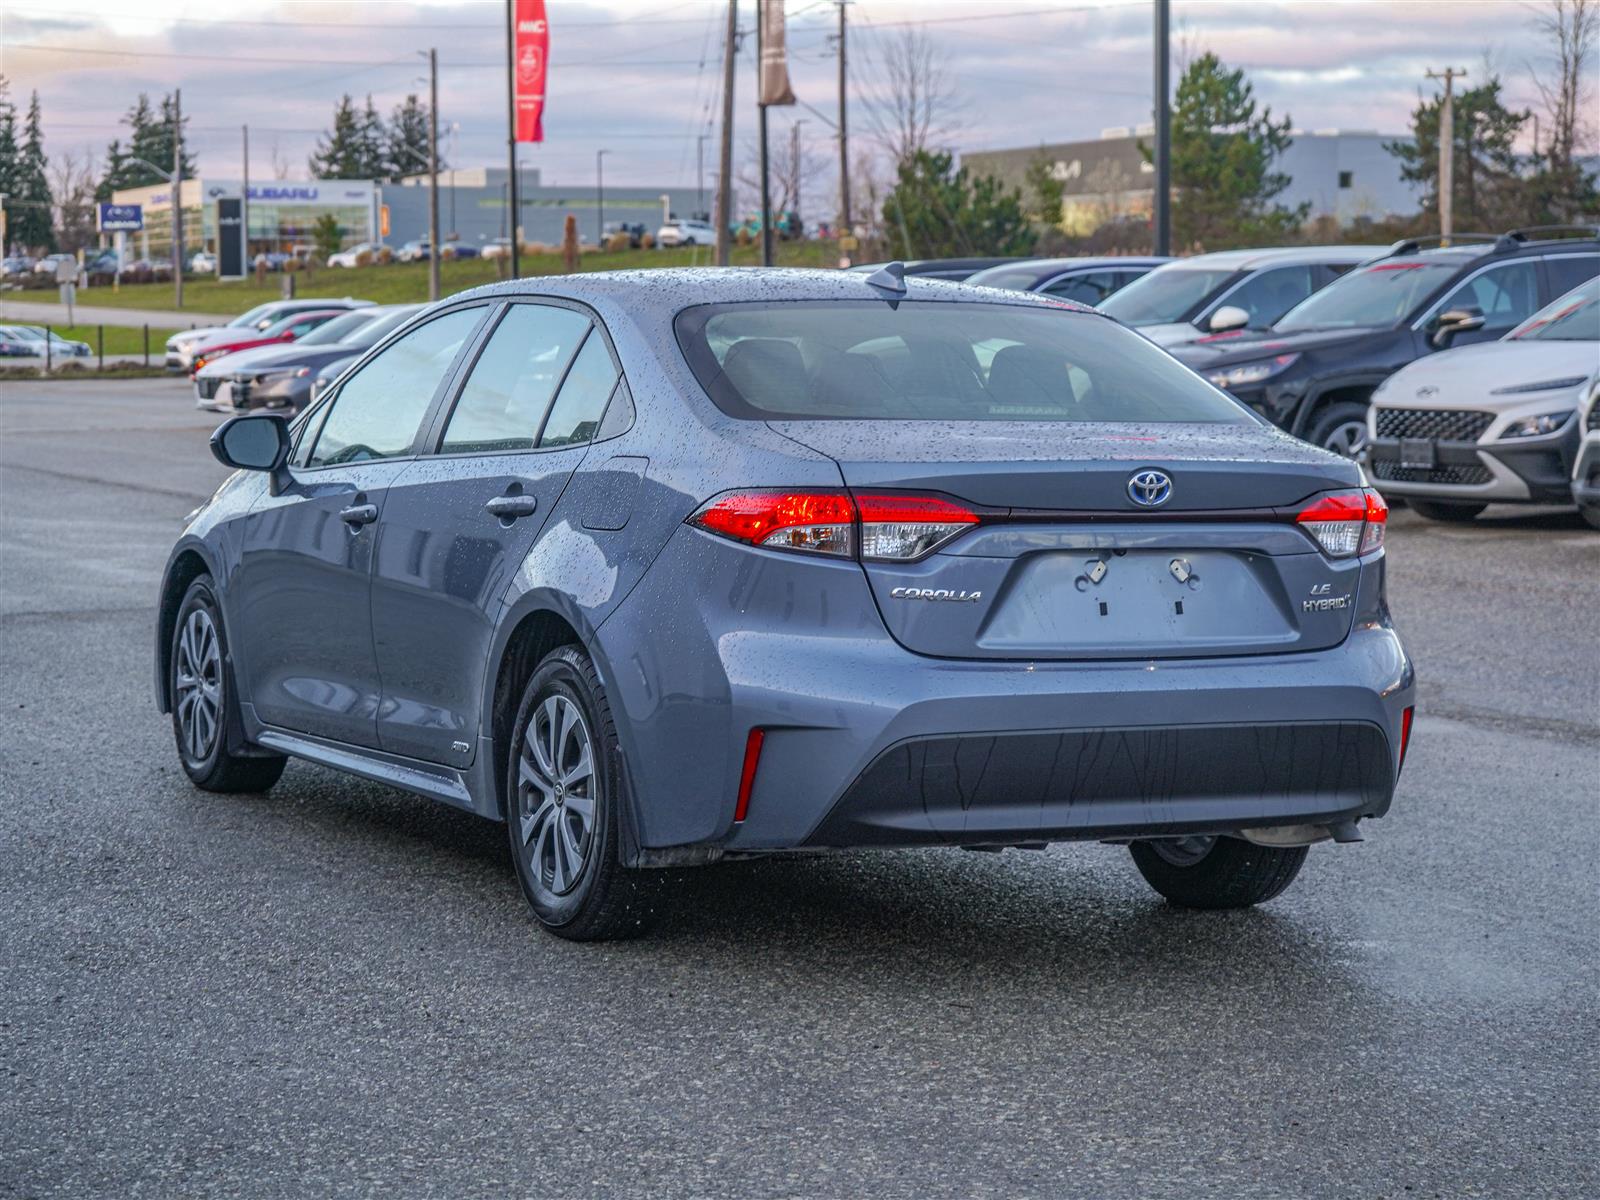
[[1314, 371]]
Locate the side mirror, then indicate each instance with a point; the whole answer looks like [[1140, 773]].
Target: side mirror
[[1229, 316], [256, 442], [1453, 321]]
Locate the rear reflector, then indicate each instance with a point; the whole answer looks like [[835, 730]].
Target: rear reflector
[[747, 773], [894, 526], [1346, 523], [1405, 737]]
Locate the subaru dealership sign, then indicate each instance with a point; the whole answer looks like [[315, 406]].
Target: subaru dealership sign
[[121, 218]]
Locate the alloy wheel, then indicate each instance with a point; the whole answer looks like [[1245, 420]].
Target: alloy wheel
[[556, 795], [1348, 438], [198, 685], [1184, 851]]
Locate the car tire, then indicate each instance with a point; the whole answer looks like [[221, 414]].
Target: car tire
[[205, 701], [1216, 872], [1439, 510], [1591, 514], [1341, 428], [566, 853]]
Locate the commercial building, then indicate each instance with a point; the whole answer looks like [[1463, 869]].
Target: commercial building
[[1341, 174], [282, 213], [474, 206]]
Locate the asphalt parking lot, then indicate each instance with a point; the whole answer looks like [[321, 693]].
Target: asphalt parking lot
[[335, 989]]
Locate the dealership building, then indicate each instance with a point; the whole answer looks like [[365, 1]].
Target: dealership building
[[474, 208], [1342, 174]]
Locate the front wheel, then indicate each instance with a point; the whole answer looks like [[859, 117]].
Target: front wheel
[[1341, 428], [1216, 872], [1436, 510], [564, 790]]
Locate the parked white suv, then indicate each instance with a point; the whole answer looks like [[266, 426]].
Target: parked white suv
[[1495, 422], [1586, 471], [687, 233]]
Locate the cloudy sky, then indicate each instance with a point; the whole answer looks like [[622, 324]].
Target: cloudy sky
[[640, 77]]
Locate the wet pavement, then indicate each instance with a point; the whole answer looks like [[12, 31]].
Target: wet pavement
[[335, 989]]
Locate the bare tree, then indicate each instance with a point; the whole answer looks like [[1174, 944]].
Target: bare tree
[[72, 183], [1571, 27], [911, 100], [791, 177], [279, 161]]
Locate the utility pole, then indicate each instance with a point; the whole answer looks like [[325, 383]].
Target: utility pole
[[434, 248], [244, 210], [177, 195], [725, 178], [1447, 150], [761, 142], [600, 197], [700, 210], [1161, 212], [511, 132], [844, 136], [794, 170]]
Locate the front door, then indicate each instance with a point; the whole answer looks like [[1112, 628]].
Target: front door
[[459, 523], [304, 627]]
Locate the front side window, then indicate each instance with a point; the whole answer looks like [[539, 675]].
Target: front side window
[[505, 398], [378, 410], [1167, 295], [1267, 295], [934, 361], [1504, 294]]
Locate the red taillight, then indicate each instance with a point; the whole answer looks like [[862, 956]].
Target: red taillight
[[1405, 737], [822, 522], [1346, 523], [747, 773], [894, 526]]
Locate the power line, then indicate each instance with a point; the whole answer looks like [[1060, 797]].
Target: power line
[[389, 25], [342, 62]]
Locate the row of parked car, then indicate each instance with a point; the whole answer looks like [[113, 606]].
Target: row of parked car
[[37, 342], [1461, 372]]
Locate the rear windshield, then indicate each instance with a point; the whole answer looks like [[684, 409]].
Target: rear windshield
[[932, 361], [1168, 295], [1385, 294]]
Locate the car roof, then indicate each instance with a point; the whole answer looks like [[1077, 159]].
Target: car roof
[[1277, 256], [1047, 268], [673, 289]]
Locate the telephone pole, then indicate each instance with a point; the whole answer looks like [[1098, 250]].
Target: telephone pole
[[844, 135], [1447, 150], [434, 249], [1161, 213], [177, 195], [725, 178]]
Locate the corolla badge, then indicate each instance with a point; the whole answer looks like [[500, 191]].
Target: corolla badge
[[1150, 489]]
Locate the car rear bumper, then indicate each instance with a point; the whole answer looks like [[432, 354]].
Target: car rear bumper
[[1534, 470], [866, 743]]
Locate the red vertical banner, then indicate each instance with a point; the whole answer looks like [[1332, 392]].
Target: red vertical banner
[[530, 57]]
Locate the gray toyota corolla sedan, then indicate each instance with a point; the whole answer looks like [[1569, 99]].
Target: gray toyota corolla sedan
[[664, 567]]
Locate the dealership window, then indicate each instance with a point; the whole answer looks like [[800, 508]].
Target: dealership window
[[1347, 179]]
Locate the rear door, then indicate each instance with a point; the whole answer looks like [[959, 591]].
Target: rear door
[[460, 521], [304, 633]]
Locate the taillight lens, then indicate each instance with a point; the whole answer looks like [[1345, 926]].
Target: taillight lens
[[893, 526], [819, 522], [1346, 523], [905, 527]]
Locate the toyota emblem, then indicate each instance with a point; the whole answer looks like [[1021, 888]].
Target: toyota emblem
[[1150, 489]]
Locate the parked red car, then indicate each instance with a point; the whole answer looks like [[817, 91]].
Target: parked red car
[[294, 326]]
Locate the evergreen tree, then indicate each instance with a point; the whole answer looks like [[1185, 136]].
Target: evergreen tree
[[151, 139], [935, 212], [349, 150], [1489, 191], [1223, 152], [29, 205], [10, 157], [406, 149]]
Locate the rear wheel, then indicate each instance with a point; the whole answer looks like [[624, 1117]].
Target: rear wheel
[[1216, 872], [204, 703], [1341, 428], [564, 788], [1438, 510], [1590, 513]]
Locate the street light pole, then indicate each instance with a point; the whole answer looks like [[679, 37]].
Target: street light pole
[[511, 130], [177, 195], [1161, 210], [434, 248], [600, 197]]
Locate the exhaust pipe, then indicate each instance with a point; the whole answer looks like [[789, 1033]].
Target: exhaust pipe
[[1283, 836]]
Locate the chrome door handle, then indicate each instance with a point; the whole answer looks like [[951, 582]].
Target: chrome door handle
[[509, 508], [359, 514]]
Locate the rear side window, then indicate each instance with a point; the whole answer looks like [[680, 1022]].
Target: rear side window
[[378, 410], [577, 410], [1089, 288], [505, 398], [934, 361], [1567, 271]]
